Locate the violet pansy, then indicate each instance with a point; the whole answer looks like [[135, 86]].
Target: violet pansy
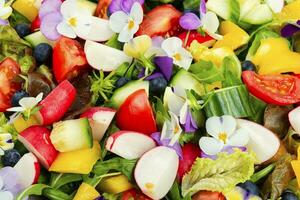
[[122, 5], [10, 185], [290, 29]]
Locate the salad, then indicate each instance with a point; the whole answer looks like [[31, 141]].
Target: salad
[[150, 99]]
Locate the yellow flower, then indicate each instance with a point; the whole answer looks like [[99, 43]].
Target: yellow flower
[[138, 46]]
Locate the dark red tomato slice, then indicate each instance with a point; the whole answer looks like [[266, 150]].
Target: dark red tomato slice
[[102, 8], [35, 24], [273, 89], [68, 59], [133, 194], [160, 21], [57, 103], [194, 35], [9, 70], [136, 114], [208, 195]]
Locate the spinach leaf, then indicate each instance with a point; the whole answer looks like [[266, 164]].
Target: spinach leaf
[[174, 192], [117, 164], [59, 179], [55, 194], [36, 189]]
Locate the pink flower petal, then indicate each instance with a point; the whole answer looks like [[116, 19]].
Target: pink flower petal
[[49, 24], [49, 6]]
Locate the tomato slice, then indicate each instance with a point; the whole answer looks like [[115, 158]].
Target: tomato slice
[[35, 24], [9, 70], [208, 195], [133, 194], [136, 114], [102, 8], [160, 21], [68, 59], [194, 35], [273, 89]]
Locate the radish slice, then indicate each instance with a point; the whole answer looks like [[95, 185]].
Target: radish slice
[[294, 118]]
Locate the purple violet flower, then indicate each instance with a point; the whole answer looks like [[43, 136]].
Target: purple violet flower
[[11, 185], [290, 29], [191, 21], [122, 5], [3, 22], [190, 125], [166, 143], [228, 149]]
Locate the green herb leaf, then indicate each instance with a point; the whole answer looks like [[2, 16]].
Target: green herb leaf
[[17, 18], [36, 189], [108, 196], [59, 179], [114, 42], [221, 175], [55, 194]]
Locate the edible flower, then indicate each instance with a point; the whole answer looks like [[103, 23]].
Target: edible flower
[[186, 118], [5, 10], [122, 5], [126, 24], [208, 21], [6, 142], [10, 185], [290, 29], [28, 105], [171, 129], [173, 48], [224, 133]]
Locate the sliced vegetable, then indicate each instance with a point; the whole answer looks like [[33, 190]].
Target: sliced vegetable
[[115, 184], [86, 192], [188, 37]]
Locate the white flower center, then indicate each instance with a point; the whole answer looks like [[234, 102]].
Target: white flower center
[[130, 24], [73, 21], [177, 57], [223, 137]]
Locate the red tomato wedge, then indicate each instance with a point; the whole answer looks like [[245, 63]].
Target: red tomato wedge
[[102, 9], [133, 194], [68, 59], [136, 114], [273, 89], [194, 35], [56, 104], [35, 24], [208, 195], [9, 70], [160, 21]]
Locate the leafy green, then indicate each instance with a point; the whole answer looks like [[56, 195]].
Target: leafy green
[[258, 108], [221, 175], [262, 173], [108, 196], [55, 194], [117, 164], [59, 179], [232, 71], [114, 42], [292, 141], [6, 127], [191, 4], [206, 72], [161, 113], [174, 193], [36, 189], [279, 179], [17, 18], [293, 186]]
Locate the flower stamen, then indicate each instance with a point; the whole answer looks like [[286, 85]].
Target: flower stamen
[[223, 137]]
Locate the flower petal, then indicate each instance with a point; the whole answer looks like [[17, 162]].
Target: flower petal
[[174, 103], [190, 125], [15, 109], [28, 102], [240, 138], [154, 76], [202, 8], [171, 45], [186, 59], [126, 5], [1, 152], [275, 5], [136, 13], [6, 141], [2, 3], [210, 22], [39, 97], [69, 8], [6, 195], [210, 146], [289, 30], [64, 29], [3, 22], [224, 124], [118, 20], [165, 65], [190, 21], [137, 46], [157, 41], [49, 6], [114, 6], [10, 178], [49, 24], [183, 112], [5, 12], [126, 34]]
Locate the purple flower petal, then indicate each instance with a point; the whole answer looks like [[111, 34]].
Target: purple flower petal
[[190, 125], [114, 6], [202, 8], [289, 30], [298, 22], [11, 179], [49, 6], [190, 21], [141, 73], [228, 149], [165, 65], [49, 24], [3, 22], [154, 76], [127, 4], [166, 143], [157, 41]]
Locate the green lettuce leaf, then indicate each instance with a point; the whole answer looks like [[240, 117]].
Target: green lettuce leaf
[[220, 175]]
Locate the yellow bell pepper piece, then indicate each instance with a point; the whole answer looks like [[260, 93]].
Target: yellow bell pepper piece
[[26, 8], [86, 192], [274, 57], [290, 12], [78, 162], [296, 167], [115, 184], [21, 124], [233, 36]]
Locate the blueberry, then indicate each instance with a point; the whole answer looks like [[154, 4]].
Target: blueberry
[[42, 52], [122, 81], [11, 157], [288, 195], [250, 187], [248, 65], [23, 29], [158, 85], [17, 96]]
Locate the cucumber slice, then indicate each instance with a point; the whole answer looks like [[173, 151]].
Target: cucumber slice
[[227, 9], [36, 38], [71, 135], [121, 94], [246, 6], [184, 80], [260, 14]]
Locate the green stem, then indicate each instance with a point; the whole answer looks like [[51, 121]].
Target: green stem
[[149, 66], [262, 173]]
